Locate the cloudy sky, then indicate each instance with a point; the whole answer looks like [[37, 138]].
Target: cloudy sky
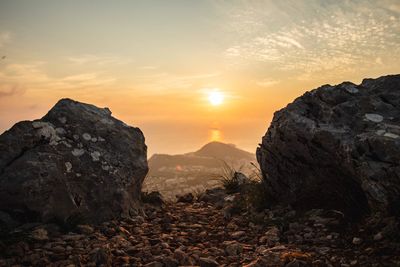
[[154, 63]]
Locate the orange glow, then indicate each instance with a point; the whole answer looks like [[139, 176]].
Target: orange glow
[[178, 168], [173, 71], [215, 135]]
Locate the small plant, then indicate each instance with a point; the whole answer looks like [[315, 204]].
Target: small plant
[[198, 193], [252, 189], [256, 175], [230, 179], [256, 194]]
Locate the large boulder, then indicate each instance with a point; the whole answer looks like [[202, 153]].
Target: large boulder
[[337, 147], [76, 160]]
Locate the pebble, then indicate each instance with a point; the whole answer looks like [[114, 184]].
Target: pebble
[[357, 241], [207, 262], [374, 117], [378, 236], [193, 234], [40, 234], [85, 229]]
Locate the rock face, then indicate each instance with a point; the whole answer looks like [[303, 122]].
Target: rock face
[[337, 147], [77, 159]]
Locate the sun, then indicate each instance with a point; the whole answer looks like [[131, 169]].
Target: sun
[[216, 98]]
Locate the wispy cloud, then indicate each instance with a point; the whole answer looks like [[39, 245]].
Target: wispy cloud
[[166, 80], [319, 36], [266, 82], [149, 67], [96, 60], [10, 90], [33, 76], [87, 80]]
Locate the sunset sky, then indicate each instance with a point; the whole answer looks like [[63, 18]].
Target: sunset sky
[[156, 64]]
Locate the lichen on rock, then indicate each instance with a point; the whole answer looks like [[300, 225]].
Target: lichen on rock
[[336, 147], [50, 169]]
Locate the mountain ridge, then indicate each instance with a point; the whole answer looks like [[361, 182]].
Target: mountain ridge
[[208, 150]]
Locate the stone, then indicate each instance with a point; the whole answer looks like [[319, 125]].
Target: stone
[[170, 262], [233, 248], [187, 198], [378, 236], [353, 263], [85, 229], [40, 234], [154, 198], [58, 249], [238, 234], [391, 135], [213, 196], [207, 262], [374, 117], [46, 180], [271, 237], [357, 241], [154, 264], [95, 155], [77, 152], [68, 166], [336, 148], [271, 259], [101, 256], [86, 136], [180, 256]]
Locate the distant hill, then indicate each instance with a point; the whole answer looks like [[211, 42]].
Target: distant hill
[[195, 171], [222, 151], [210, 155]]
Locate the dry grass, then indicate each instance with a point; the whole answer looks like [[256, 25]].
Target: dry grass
[[253, 193]]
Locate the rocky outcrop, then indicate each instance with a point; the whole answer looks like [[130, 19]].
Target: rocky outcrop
[[77, 160], [337, 147]]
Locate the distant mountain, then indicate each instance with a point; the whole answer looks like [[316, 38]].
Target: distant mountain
[[222, 151], [210, 155], [195, 171]]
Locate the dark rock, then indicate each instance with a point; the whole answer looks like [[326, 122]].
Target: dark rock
[[154, 198], [181, 256], [170, 262], [271, 237], [336, 147], [213, 196], [101, 256], [77, 162], [85, 229], [154, 264], [40, 234], [187, 198], [207, 262], [233, 248]]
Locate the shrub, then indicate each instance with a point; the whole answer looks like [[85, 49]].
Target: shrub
[[252, 189], [230, 179]]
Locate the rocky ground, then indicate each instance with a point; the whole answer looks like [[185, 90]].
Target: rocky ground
[[201, 233]]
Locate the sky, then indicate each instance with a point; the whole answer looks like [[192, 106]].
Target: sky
[[155, 63]]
